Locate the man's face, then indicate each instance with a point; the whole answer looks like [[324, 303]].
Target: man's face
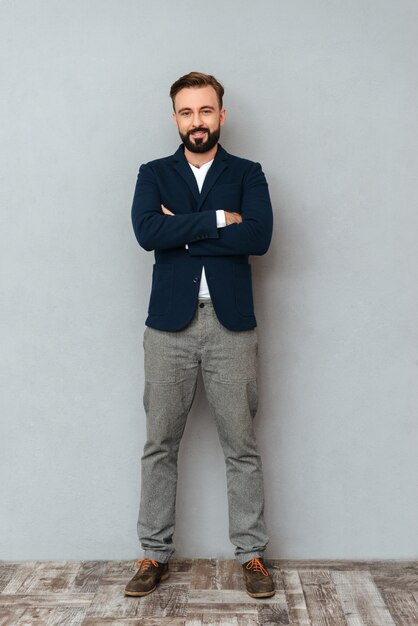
[[198, 117]]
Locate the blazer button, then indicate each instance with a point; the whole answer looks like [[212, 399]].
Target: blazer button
[[195, 279]]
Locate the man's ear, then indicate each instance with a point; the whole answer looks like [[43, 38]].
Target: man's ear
[[222, 117], [175, 119]]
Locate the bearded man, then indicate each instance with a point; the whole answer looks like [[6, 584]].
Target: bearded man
[[203, 212]]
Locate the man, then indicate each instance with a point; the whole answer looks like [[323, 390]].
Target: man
[[203, 212]]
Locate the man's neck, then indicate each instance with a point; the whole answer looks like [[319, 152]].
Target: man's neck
[[198, 159]]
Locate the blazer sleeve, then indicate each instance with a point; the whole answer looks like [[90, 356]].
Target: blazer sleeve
[[253, 235], [156, 231]]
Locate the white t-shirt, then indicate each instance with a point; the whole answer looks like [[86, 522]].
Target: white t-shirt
[[200, 174]]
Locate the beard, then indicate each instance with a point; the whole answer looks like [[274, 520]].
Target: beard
[[200, 144]]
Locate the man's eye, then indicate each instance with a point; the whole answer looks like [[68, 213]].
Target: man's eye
[[207, 111], [185, 113]]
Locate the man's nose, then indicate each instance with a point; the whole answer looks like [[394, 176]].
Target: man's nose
[[196, 120]]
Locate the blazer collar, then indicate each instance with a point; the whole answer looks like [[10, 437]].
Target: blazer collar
[[220, 163]]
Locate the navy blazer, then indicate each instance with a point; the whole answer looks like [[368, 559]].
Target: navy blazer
[[232, 184]]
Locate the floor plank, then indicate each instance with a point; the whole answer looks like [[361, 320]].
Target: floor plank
[[402, 607], [273, 614], [322, 601], [54, 599], [360, 599], [298, 611], [227, 596], [204, 574], [132, 621], [66, 617], [21, 573], [7, 572], [89, 576]]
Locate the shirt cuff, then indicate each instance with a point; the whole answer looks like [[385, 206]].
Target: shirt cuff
[[220, 218]]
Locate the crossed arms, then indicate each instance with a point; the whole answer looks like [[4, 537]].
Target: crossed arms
[[157, 230]]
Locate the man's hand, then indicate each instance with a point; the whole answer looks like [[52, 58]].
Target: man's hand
[[166, 211], [232, 218]]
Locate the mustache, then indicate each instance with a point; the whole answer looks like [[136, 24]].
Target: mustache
[[197, 130]]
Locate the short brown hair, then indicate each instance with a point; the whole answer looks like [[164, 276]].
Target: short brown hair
[[197, 79]]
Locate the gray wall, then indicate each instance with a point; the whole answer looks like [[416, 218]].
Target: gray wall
[[323, 94]]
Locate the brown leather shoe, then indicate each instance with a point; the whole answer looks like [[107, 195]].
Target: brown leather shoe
[[145, 581], [258, 581]]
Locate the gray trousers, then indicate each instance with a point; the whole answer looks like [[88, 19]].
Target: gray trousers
[[228, 361]]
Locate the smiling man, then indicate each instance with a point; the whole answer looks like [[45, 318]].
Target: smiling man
[[203, 212]]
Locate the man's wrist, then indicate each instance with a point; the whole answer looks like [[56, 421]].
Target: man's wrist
[[220, 218]]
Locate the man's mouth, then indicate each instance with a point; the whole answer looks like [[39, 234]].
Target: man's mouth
[[198, 133]]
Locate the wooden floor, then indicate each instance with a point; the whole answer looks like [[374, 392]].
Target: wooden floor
[[210, 591]]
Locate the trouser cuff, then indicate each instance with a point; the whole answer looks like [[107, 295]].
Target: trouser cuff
[[161, 557], [243, 558]]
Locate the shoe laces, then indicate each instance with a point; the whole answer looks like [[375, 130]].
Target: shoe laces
[[145, 564], [257, 566]]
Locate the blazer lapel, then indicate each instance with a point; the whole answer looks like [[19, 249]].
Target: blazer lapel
[[183, 168], [218, 166]]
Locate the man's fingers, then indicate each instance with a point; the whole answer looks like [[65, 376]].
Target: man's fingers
[[166, 211], [233, 217]]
